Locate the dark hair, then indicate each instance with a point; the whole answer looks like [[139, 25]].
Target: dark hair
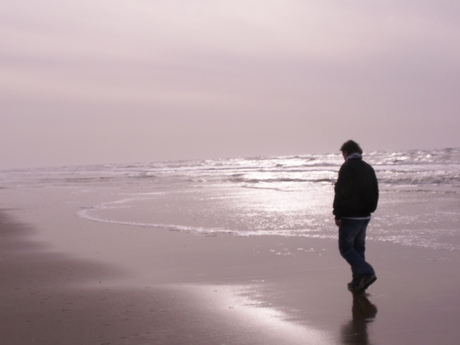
[[351, 147]]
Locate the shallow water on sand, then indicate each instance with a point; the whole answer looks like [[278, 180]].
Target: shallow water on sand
[[275, 196]]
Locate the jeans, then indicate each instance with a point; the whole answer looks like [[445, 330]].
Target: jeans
[[352, 245]]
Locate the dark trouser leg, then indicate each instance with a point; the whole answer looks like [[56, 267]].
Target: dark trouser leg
[[352, 237]]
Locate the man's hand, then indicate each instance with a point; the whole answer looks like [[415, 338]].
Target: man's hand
[[338, 222]]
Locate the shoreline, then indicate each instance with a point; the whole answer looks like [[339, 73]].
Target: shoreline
[[54, 298], [72, 280]]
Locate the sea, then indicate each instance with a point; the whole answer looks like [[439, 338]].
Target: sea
[[286, 196]]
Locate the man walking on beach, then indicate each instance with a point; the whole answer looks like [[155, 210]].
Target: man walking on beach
[[356, 197]]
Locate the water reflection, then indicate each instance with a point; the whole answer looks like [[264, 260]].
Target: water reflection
[[246, 318], [355, 332]]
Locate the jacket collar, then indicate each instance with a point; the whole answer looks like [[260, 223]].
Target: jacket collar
[[354, 156]]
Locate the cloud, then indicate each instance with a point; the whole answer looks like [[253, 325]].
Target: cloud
[[248, 71]]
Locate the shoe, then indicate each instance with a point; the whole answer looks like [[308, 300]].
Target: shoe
[[351, 285], [365, 282]]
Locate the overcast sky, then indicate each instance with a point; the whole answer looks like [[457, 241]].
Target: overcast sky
[[106, 81]]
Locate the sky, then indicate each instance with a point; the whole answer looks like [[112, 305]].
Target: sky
[[124, 81]]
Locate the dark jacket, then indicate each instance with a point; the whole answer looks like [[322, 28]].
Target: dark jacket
[[356, 190]]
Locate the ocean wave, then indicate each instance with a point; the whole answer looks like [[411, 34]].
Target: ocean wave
[[399, 168], [404, 239]]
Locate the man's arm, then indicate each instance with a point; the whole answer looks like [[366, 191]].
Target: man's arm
[[342, 191]]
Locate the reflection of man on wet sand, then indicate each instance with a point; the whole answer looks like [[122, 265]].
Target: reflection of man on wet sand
[[355, 331]]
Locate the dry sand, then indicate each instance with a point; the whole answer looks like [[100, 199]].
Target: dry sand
[[66, 280]]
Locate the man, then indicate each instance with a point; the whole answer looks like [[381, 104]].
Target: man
[[356, 197]]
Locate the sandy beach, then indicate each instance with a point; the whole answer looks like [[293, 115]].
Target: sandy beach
[[68, 280]]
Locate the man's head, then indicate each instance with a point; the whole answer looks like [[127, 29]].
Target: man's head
[[350, 147]]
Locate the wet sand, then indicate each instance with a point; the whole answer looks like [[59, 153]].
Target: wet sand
[[67, 280]]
